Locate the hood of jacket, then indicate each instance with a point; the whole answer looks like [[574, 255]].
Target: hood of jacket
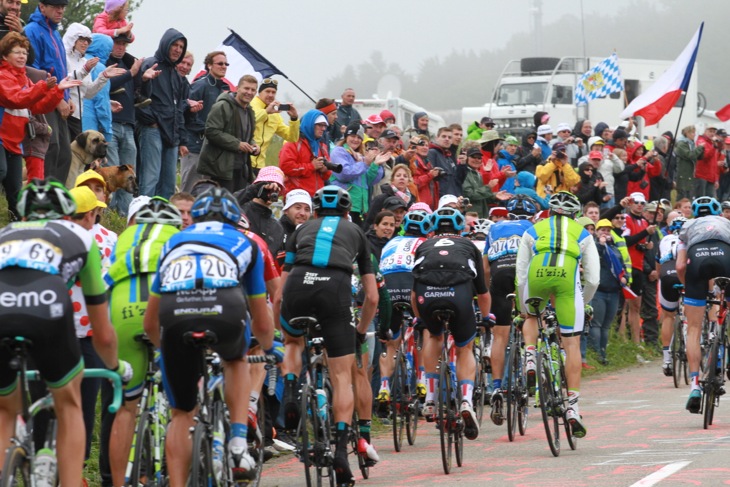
[[39, 18], [525, 143], [416, 116], [72, 35], [306, 129], [585, 177], [168, 38], [101, 47], [526, 179], [599, 128], [577, 132], [503, 154]]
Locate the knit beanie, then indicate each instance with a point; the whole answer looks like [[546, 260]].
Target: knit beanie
[[111, 5]]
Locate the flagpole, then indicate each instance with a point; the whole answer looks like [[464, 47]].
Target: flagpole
[[297, 87]]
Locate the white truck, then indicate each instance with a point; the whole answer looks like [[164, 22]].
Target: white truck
[[529, 85], [402, 109]]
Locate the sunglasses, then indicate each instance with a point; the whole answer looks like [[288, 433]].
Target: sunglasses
[[269, 81], [588, 169], [619, 218], [221, 64]]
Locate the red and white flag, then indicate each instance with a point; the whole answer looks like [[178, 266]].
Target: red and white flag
[[659, 99]]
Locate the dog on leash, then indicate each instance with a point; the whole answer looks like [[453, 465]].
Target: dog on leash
[[119, 177], [87, 150]]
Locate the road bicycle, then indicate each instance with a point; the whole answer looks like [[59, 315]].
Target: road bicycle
[[404, 399], [715, 361], [551, 393], [515, 380], [481, 348], [314, 435], [20, 460], [678, 345]]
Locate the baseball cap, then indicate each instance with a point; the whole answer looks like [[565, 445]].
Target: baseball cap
[[321, 119], [638, 197], [85, 199], [122, 37], [355, 128], [270, 174], [604, 223], [389, 134], [544, 130], [474, 152], [136, 204], [563, 126], [447, 199], [594, 154], [486, 121], [584, 221], [559, 147], [88, 176], [373, 120], [297, 196], [721, 133], [499, 211], [394, 203], [651, 207]]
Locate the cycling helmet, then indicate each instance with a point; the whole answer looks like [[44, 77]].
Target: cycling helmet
[[216, 204], [677, 224], [159, 210], [725, 205], [447, 219], [705, 206], [45, 199], [331, 200], [521, 207], [243, 223], [418, 222], [481, 226], [564, 203]]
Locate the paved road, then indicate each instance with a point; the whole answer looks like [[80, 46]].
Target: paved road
[[638, 434]]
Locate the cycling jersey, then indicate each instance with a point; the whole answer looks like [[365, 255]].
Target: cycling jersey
[[504, 238], [271, 267], [399, 253], [667, 258], [210, 255], [329, 242], [548, 265], [707, 242], [447, 260], [713, 227], [133, 264]]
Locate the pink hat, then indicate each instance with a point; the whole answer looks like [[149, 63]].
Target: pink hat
[[386, 114], [373, 120], [112, 5], [270, 174], [421, 206]]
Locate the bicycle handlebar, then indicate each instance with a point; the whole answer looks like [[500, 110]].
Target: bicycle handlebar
[[110, 375], [261, 359]]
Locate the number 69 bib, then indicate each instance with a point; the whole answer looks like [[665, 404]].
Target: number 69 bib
[[31, 254]]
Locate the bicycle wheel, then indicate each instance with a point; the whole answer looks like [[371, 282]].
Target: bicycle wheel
[[563, 402], [511, 389], [708, 391], [16, 471], [523, 397], [480, 390], [398, 400], [143, 466], [354, 440], [201, 467], [676, 348], [546, 391], [683, 356], [445, 413]]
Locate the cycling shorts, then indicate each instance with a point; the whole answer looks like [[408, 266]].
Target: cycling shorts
[[561, 281], [222, 311], [502, 284], [127, 305], [399, 285], [324, 294], [705, 260], [637, 281], [668, 294], [37, 306], [459, 299]]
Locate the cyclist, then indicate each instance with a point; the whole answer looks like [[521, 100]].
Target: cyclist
[[202, 276], [500, 257], [548, 261], [726, 209], [317, 282], [396, 264], [39, 260], [447, 274], [668, 294], [703, 253], [133, 267]]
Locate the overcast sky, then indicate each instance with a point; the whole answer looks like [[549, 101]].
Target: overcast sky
[[312, 41]]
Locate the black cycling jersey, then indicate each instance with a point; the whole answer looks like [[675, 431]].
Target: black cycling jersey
[[329, 242], [705, 260], [448, 260]]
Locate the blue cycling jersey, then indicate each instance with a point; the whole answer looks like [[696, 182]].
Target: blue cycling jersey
[[504, 238]]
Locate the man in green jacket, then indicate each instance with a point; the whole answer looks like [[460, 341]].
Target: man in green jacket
[[474, 188], [229, 138]]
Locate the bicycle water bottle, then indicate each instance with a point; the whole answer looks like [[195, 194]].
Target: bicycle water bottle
[[563, 355], [45, 468], [409, 368], [218, 452], [321, 404]]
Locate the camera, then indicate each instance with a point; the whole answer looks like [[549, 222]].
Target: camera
[[641, 246], [332, 167], [284, 107], [465, 202], [440, 172], [267, 194]]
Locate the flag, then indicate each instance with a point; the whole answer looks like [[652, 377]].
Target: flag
[[723, 114], [628, 293], [600, 81], [659, 99]]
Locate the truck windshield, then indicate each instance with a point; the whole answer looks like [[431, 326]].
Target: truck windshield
[[521, 94]]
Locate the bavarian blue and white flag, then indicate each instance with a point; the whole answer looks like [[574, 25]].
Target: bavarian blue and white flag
[[600, 81]]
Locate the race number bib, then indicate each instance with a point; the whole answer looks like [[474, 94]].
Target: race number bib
[[198, 271], [31, 254], [503, 246]]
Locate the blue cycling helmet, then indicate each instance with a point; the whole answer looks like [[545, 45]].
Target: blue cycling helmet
[[447, 220], [331, 200], [677, 224], [521, 207], [705, 206], [216, 204], [418, 222]]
